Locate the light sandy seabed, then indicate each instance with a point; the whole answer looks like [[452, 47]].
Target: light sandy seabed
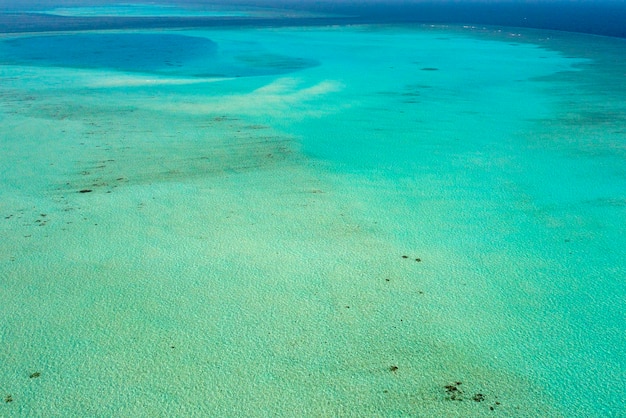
[[343, 222]]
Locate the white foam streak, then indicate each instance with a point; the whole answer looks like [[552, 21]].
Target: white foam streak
[[137, 81], [276, 99]]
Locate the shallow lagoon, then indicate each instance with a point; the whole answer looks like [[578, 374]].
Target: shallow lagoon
[[341, 221]]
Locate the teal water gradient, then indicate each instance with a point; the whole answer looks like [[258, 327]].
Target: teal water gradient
[[349, 224]]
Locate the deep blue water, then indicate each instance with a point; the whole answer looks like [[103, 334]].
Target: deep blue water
[[136, 52], [133, 52], [595, 17]]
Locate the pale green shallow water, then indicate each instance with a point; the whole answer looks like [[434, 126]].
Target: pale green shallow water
[[241, 250]]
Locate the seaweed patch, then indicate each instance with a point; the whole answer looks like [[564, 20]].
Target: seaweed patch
[[454, 392]]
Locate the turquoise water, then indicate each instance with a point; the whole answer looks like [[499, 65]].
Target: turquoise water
[[339, 221]]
